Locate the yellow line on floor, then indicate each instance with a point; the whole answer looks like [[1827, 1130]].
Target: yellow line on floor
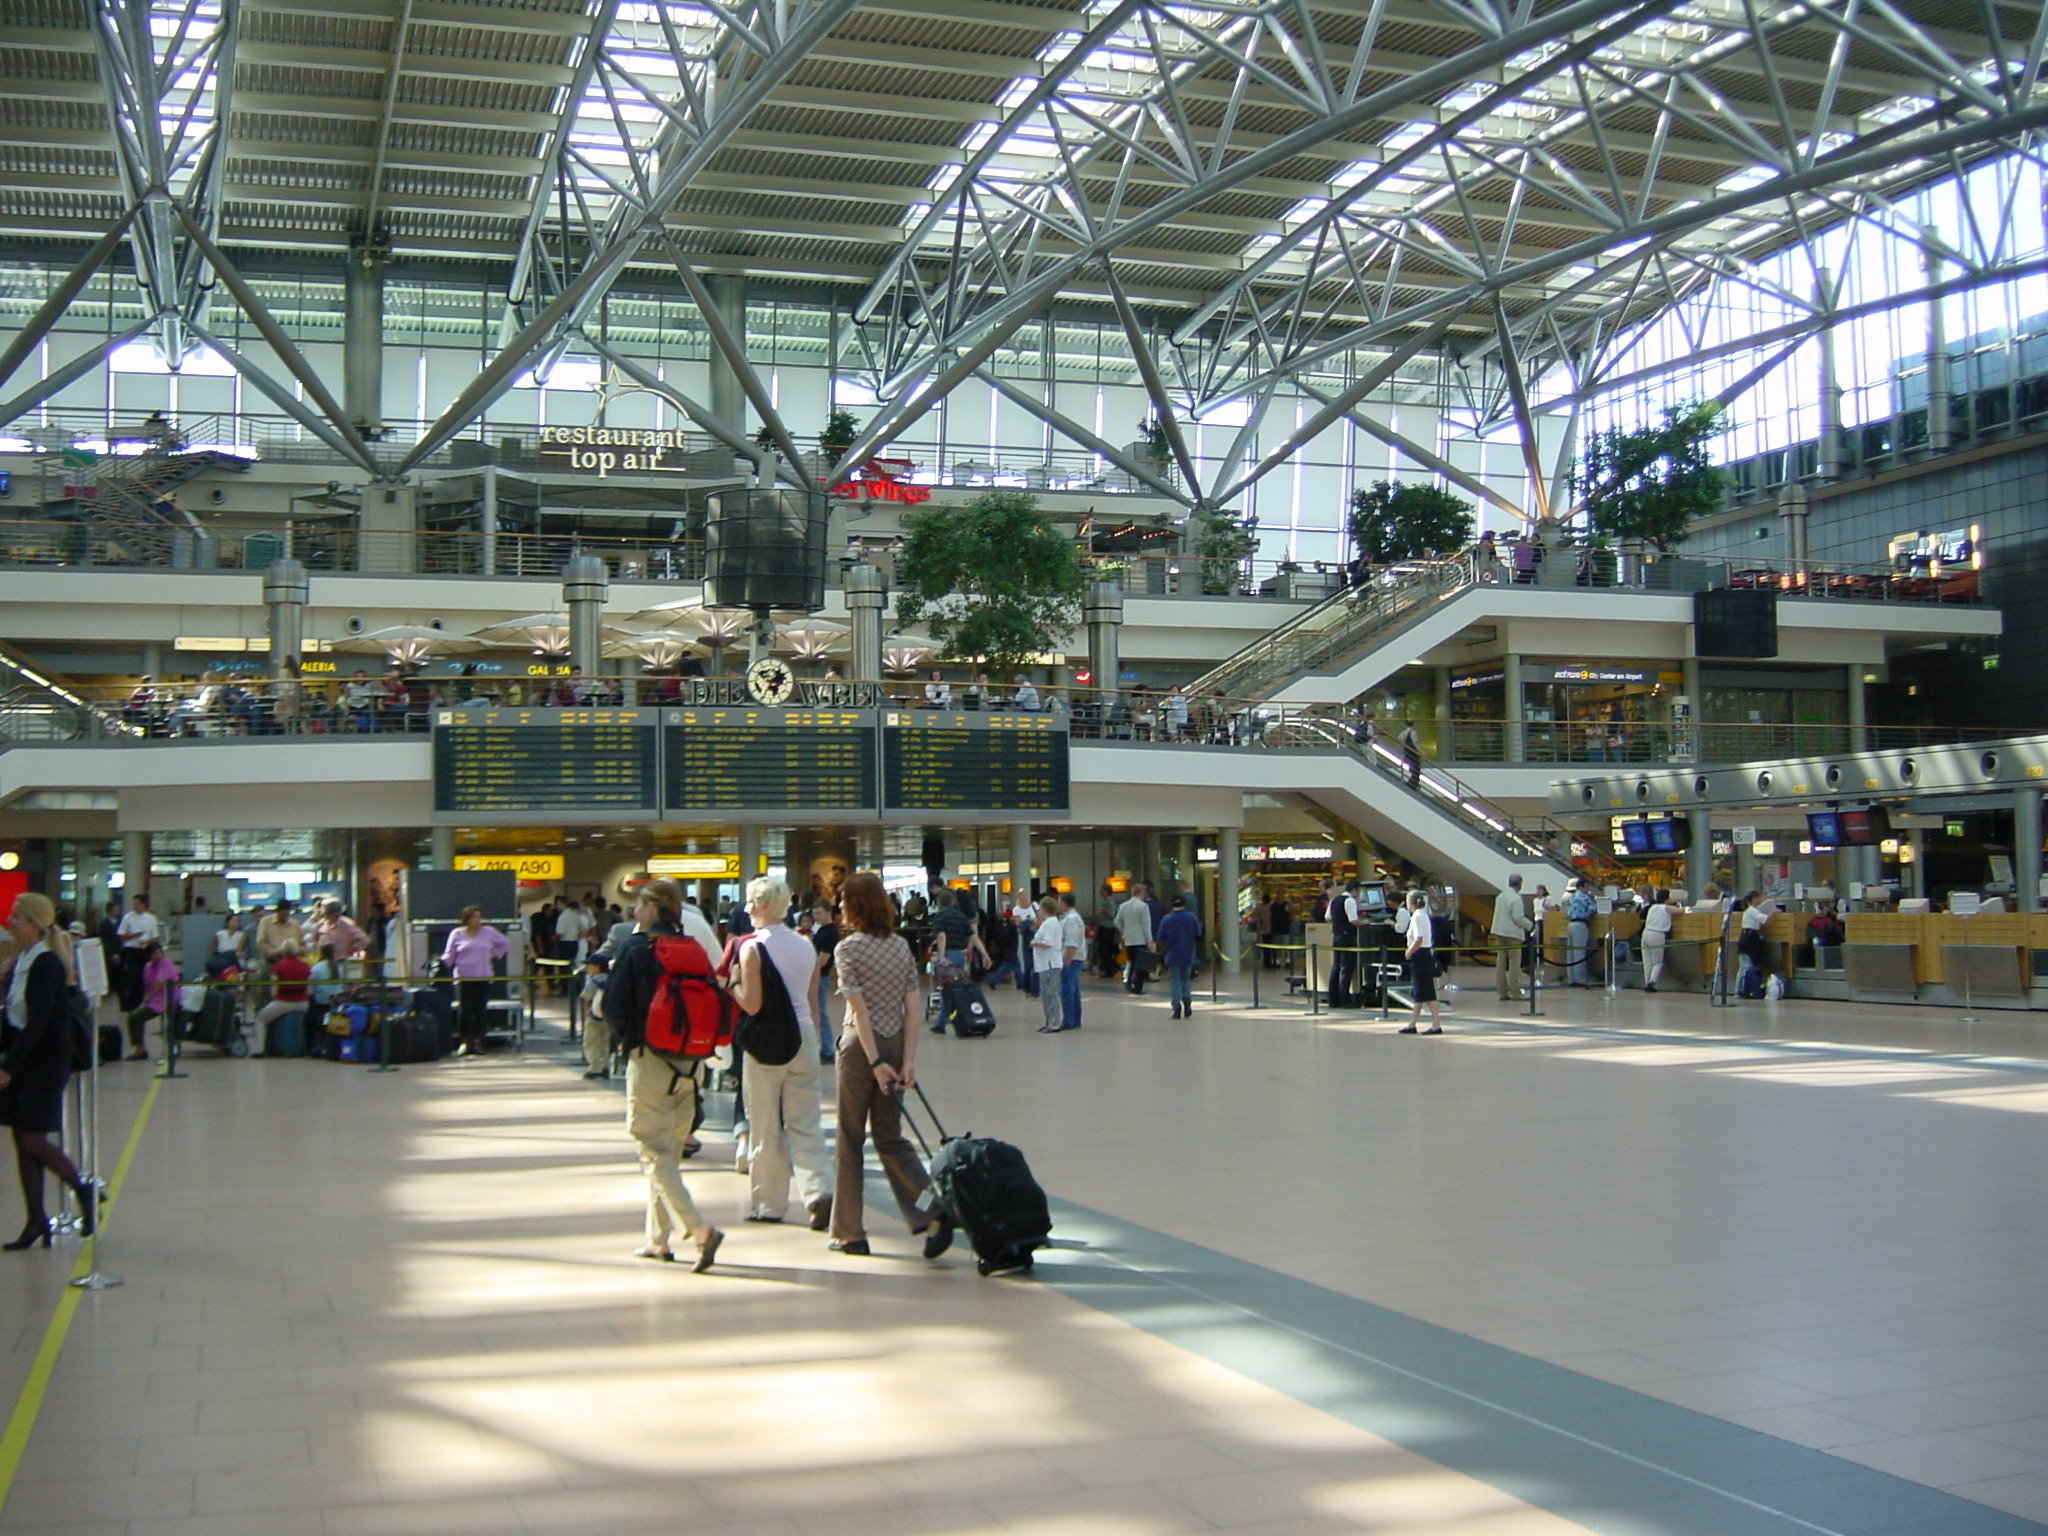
[[22, 1422]]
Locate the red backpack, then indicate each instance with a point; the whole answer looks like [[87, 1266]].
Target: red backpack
[[690, 1014]]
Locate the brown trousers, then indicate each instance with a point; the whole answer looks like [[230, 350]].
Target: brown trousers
[[865, 1110]]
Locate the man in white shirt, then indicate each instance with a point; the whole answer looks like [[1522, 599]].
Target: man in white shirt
[[1073, 950], [570, 928], [138, 930], [1509, 930]]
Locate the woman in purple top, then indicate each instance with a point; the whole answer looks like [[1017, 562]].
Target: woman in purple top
[[469, 955]]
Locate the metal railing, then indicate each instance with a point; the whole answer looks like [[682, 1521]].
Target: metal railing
[[74, 543], [1384, 600], [516, 447], [1656, 742]]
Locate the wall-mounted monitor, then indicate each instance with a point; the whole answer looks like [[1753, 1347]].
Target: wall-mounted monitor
[[1824, 828], [1866, 828], [1635, 838], [1669, 836]]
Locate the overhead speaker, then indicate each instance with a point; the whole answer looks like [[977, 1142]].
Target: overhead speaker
[[765, 548], [354, 624]]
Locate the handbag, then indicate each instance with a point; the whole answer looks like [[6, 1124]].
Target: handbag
[[772, 1036]]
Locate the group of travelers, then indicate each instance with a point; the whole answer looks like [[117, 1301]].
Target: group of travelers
[[673, 966]]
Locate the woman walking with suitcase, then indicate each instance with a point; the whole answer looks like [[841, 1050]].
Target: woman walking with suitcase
[[877, 1063]]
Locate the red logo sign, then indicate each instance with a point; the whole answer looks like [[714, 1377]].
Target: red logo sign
[[876, 481]]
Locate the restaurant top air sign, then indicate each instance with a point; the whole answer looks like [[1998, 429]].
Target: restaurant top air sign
[[605, 451]]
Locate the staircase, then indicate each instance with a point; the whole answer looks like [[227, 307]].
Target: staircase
[[125, 498], [1340, 629], [1440, 800]]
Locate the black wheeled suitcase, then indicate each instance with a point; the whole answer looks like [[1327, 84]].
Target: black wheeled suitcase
[[439, 1007], [967, 1006], [988, 1187], [216, 1023], [410, 1037]]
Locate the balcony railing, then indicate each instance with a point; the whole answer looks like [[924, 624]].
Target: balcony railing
[[52, 542], [516, 448]]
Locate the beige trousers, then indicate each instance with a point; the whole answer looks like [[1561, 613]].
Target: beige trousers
[[783, 1130], [1507, 962], [661, 1105]]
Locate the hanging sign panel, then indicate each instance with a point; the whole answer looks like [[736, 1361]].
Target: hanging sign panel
[[786, 761], [569, 764], [970, 763]]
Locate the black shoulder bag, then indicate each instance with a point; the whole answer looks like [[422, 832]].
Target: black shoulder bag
[[772, 1036]]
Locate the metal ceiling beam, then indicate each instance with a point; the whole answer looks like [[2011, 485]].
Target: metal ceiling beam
[[727, 88], [1068, 428]]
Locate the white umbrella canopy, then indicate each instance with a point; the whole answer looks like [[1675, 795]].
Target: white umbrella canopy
[[546, 633], [407, 644], [812, 639], [901, 654], [654, 647], [718, 626]]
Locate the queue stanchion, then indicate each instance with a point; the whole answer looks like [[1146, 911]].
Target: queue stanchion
[[67, 1221], [1216, 971], [1315, 994], [1258, 960], [1533, 952], [94, 1278], [170, 1034], [1612, 980]]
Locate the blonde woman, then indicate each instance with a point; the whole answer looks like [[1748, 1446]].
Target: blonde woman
[[37, 1062]]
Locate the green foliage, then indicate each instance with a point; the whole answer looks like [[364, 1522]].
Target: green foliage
[[1391, 521], [1158, 447], [765, 438], [1649, 483], [841, 428], [1222, 543], [995, 580]]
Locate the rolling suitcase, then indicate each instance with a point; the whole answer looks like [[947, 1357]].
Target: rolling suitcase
[[110, 1042], [286, 1035], [988, 1187], [216, 1024], [410, 1037], [967, 1006]]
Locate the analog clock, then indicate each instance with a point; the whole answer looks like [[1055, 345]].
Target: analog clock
[[771, 682]]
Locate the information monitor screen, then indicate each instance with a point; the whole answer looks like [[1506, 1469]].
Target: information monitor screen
[[944, 761], [571, 764], [735, 760]]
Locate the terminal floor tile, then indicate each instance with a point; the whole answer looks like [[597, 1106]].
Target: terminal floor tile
[[1636, 1266]]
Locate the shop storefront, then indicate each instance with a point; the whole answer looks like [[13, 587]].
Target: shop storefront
[[1604, 712]]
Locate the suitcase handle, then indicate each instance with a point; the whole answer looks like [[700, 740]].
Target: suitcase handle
[[911, 1120]]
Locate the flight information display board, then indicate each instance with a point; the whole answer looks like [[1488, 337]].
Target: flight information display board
[[970, 764], [781, 762], [571, 764]]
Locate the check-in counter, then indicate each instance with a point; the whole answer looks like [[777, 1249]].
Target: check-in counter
[[1893, 955]]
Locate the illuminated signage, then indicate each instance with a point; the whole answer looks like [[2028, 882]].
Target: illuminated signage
[[698, 866], [877, 480], [603, 451], [1594, 672], [527, 866]]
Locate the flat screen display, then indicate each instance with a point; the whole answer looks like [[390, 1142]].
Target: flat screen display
[[1866, 828], [1635, 837], [1824, 828], [1670, 836]]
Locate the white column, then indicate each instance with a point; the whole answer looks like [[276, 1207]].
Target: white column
[[1020, 859]]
